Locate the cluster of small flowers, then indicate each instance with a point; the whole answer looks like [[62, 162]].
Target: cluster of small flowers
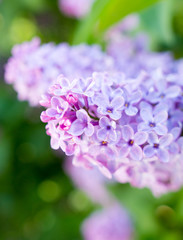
[[120, 111], [119, 124], [33, 67], [76, 9]]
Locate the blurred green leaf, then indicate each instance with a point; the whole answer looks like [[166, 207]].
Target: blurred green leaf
[[157, 21], [105, 13]]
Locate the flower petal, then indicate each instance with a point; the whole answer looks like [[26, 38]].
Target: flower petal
[[161, 117], [77, 128], [127, 133], [149, 151], [131, 111], [104, 121], [82, 115], [163, 155], [153, 138], [136, 152], [124, 150], [117, 102], [146, 115], [161, 129], [166, 140], [135, 97], [102, 134], [89, 130], [140, 138], [173, 91]]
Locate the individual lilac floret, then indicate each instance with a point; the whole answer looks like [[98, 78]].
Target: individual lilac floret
[[130, 100], [112, 223], [58, 108], [157, 146], [153, 122], [164, 92], [111, 108], [73, 8], [107, 129], [131, 143], [81, 124]]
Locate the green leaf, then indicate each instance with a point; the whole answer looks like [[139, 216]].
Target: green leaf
[[157, 21], [104, 14]]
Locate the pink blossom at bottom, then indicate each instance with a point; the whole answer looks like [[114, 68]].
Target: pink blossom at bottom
[[112, 223], [91, 181], [75, 8]]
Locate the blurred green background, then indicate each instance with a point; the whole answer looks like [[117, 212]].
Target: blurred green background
[[37, 200]]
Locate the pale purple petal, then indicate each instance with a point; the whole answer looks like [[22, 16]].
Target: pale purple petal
[[127, 133], [176, 131], [143, 127], [54, 143], [82, 115], [101, 101], [174, 148], [140, 138], [51, 112], [146, 115], [136, 152], [166, 140], [89, 130], [124, 150], [115, 115], [131, 111], [64, 82], [161, 117], [149, 151], [163, 155], [104, 121], [113, 135], [173, 91], [117, 102], [55, 102], [102, 134], [161, 129], [77, 128], [135, 97], [153, 138]]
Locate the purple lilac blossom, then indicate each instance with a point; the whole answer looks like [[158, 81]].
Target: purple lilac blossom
[[112, 223], [76, 9], [117, 144], [33, 67], [139, 89]]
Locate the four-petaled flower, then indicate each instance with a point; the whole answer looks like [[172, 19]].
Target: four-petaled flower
[[131, 143], [157, 146], [107, 129], [130, 100], [111, 108], [81, 124], [153, 122], [58, 108]]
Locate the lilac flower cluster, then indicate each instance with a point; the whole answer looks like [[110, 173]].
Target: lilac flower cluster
[[33, 67], [120, 111], [117, 123]]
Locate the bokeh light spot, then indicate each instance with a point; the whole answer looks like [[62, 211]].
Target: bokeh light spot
[[79, 201], [22, 29], [49, 191]]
